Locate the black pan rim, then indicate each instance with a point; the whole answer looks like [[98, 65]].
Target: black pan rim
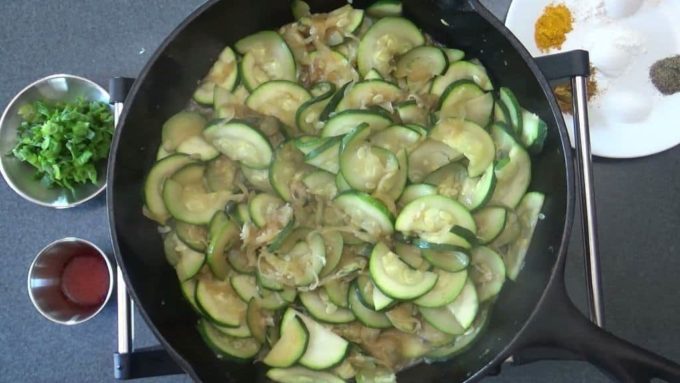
[[566, 154]]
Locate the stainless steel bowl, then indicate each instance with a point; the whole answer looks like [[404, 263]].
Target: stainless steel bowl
[[18, 175], [44, 281]]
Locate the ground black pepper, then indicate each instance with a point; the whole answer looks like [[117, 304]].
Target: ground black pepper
[[665, 75]]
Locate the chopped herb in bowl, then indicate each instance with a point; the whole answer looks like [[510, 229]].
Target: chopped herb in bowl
[[64, 141]]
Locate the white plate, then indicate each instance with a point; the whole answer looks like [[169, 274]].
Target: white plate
[[656, 25]]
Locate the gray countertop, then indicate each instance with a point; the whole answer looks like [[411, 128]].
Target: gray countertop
[[638, 206]]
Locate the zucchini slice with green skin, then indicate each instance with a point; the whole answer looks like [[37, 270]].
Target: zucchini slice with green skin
[[457, 316], [341, 183], [189, 291], [188, 263], [365, 315], [219, 302], [242, 331], [220, 174], [381, 301], [387, 38], [442, 319], [323, 310], [231, 347], [528, 212], [365, 286], [415, 191], [410, 113], [500, 113], [334, 247], [287, 167], [420, 65], [262, 206], [343, 122], [395, 278], [487, 271], [396, 138], [282, 236], [452, 260], [461, 70], [300, 9], [337, 291], [465, 99], [321, 183], [291, 345], [180, 127], [189, 205], [301, 265], [366, 213], [308, 116], [468, 138], [205, 93], [391, 186], [226, 235], [223, 73], [476, 192], [507, 98], [432, 214], [448, 286], [363, 165], [325, 349], [245, 286], [306, 144], [534, 132], [280, 99], [194, 236], [334, 101], [453, 55], [197, 147], [462, 342], [155, 180], [429, 156], [373, 75], [370, 92], [240, 142], [266, 57], [326, 156], [301, 375], [490, 223], [411, 255], [258, 179], [384, 8], [449, 179], [257, 320], [514, 176], [322, 89]]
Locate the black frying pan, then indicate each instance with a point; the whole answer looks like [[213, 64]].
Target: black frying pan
[[532, 313]]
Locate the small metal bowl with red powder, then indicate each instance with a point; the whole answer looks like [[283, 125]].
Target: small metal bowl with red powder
[[70, 281]]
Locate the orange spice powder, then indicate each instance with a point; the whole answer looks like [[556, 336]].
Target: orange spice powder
[[552, 27]]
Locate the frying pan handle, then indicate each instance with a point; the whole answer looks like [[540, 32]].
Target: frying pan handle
[[559, 324]]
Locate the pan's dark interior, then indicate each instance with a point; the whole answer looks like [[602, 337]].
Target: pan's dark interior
[[167, 83]]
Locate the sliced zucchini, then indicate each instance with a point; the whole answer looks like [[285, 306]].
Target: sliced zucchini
[[433, 214], [465, 99], [396, 138], [257, 178], [393, 183], [300, 9], [500, 113], [448, 286], [448, 179], [534, 132], [256, 320], [334, 101], [262, 207], [514, 176], [301, 375], [362, 165], [411, 113], [331, 65], [419, 65], [476, 192], [231, 347], [490, 223], [196, 147], [365, 315], [325, 349], [322, 89], [155, 180], [507, 98], [180, 127], [240, 142], [224, 72], [461, 70], [404, 318], [245, 286], [343, 122], [321, 183], [387, 38], [442, 319], [242, 331], [528, 213], [319, 306], [326, 156], [189, 291], [188, 262], [287, 167], [487, 271], [395, 278], [291, 345], [370, 92], [280, 99], [415, 191], [301, 265], [306, 144], [468, 138], [334, 247], [411, 255], [194, 236], [373, 75], [381, 301], [454, 54], [266, 57], [220, 174], [187, 204], [365, 287], [337, 291], [341, 183], [219, 302], [162, 153], [429, 156], [457, 316], [451, 260], [308, 116], [205, 93], [384, 8], [461, 342], [366, 213], [225, 236]]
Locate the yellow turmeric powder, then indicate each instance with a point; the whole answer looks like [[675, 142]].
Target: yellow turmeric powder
[[552, 27]]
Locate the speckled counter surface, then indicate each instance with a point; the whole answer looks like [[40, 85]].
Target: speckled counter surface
[[639, 208]]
